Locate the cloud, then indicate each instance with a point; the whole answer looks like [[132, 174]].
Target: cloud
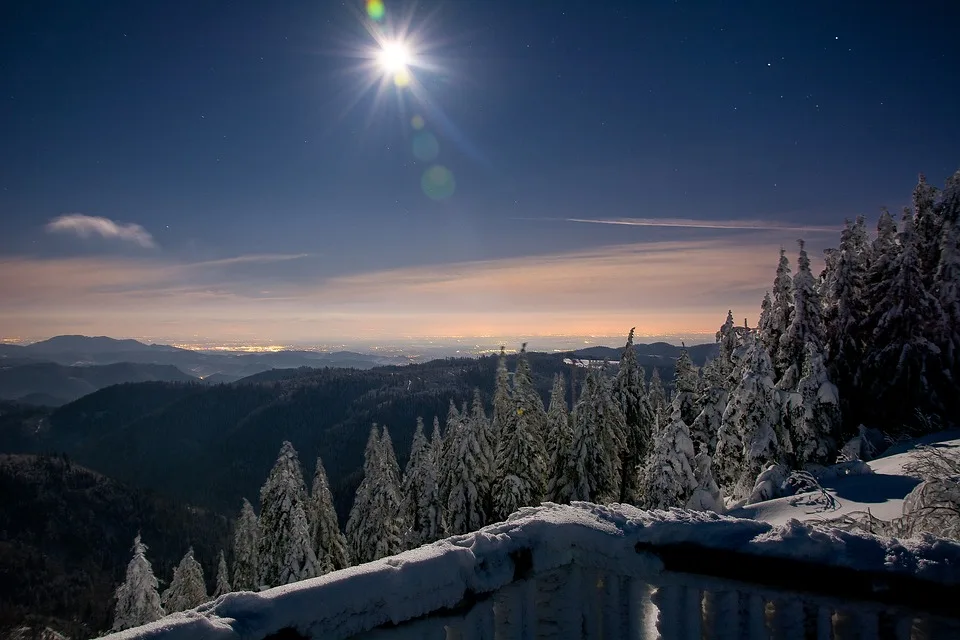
[[86, 226], [735, 225]]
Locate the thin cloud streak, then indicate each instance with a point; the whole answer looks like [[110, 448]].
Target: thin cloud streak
[[86, 226], [732, 225]]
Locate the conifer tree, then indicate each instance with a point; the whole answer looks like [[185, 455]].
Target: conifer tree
[[900, 372], [712, 398], [881, 270], [559, 436], [816, 423], [245, 559], [707, 496], [781, 309], [765, 327], [521, 462], [845, 316], [657, 395], [360, 524], [438, 522], [455, 422], [284, 550], [138, 601], [750, 435], [471, 474], [223, 578], [421, 495], [728, 342], [483, 428], [592, 470], [948, 288], [806, 324], [928, 228], [669, 476], [328, 542], [685, 386], [386, 509], [631, 395], [504, 411], [187, 589]]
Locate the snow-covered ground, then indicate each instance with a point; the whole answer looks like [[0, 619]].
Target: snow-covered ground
[[881, 493]]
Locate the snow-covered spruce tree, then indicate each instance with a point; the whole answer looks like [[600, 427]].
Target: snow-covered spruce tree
[[751, 435], [284, 550], [360, 525], [559, 436], [781, 308], [728, 342], [187, 589], [138, 601], [657, 396], [386, 509], [669, 476], [421, 495], [881, 270], [928, 223], [707, 495], [470, 473], [948, 289], [483, 428], [712, 398], [223, 578], [328, 542], [765, 327], [806, 324], [592, 469], [685, 386], [504, 411], [437, 525], [630, 393], [521, 464], [900, 372], [455, 422], [844, 316], [245, 559], [816, 420]]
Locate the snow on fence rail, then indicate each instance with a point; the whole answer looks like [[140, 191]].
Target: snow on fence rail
[[610, 572]]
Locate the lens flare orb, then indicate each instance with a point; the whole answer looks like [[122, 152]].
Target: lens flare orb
[[394, 57]]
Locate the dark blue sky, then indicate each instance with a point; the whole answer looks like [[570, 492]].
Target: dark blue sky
[[238, 131]]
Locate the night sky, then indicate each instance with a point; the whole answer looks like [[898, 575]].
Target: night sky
[[249, 170]]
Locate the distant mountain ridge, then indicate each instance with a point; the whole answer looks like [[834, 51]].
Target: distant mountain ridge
[[53, 384]]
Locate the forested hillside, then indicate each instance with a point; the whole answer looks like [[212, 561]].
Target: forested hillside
[[65, 535]]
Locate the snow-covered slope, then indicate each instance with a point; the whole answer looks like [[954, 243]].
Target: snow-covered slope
[[881, 493]]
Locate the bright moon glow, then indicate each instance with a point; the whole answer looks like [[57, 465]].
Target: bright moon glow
[[394, 57]]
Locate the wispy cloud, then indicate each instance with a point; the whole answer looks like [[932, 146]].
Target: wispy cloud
[[735, 225], [86, 226], [256, 258]]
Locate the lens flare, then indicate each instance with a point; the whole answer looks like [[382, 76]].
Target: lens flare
[[394, 57], [417, 122], [425, 146], [376, 10], [438, 183]]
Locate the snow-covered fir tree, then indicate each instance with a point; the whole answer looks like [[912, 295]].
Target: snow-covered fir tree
[[483, 428], [845, 314], [765, 327], [245, 544], [559, 436], [900, 372], [781, 308], [223, 578], [284, 550], [592, 469], [504, 411], [750, 435], [948, 290], [455, 421], [712, 398], [138, 601], [657, 396], [328, 542], [521, 463], [881, 269], [685, 386], [360, 524], [806, 324], [438, 528], [470, 472], [421, 494], [669, 473], [386, 505], [630, 393], [707, 495], [187, 589], [928, 223], [815, 419], [728, 341]]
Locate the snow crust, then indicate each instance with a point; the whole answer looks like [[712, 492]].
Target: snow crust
[[852, 488], [441, 575]]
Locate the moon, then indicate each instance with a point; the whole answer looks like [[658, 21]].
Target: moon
[[394, 57]]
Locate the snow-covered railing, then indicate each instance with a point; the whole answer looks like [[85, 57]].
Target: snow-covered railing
[[587, 571]]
